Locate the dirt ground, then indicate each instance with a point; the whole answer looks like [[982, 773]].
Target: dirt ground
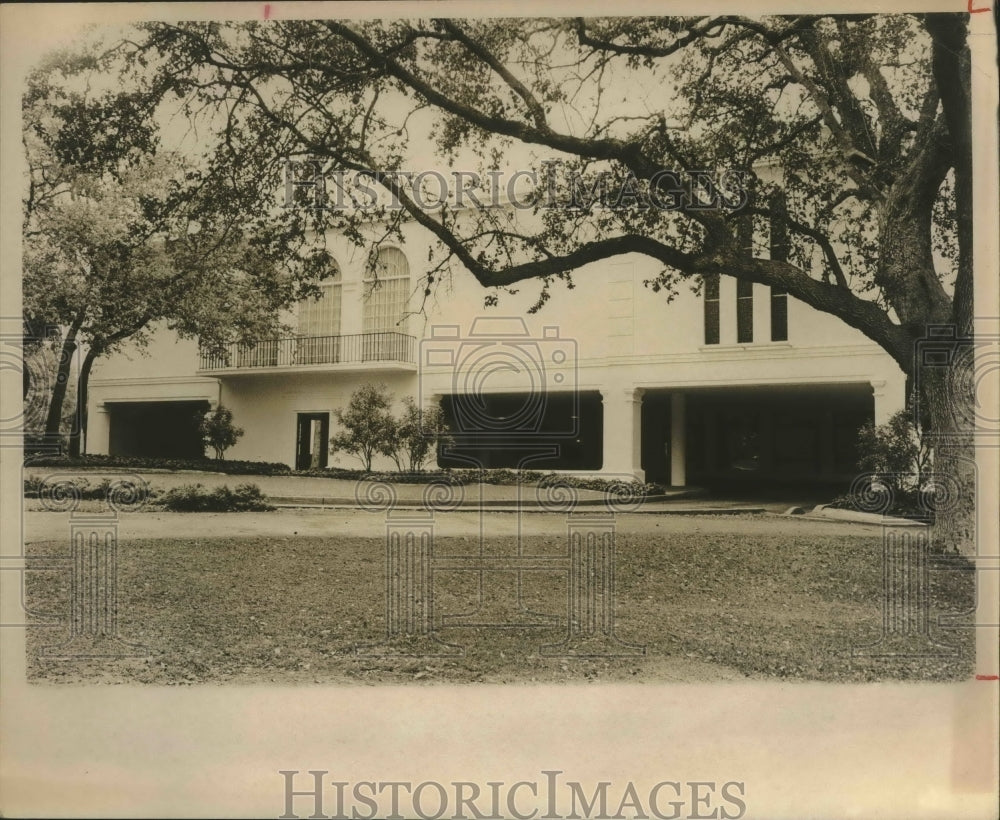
[[299, 596]]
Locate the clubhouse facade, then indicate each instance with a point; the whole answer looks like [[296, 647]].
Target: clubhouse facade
[[735, 383]]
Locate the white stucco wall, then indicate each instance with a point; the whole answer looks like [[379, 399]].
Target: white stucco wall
[[623, 337]]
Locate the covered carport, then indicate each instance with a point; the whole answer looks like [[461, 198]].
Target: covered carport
[[754, 435], [160, 429]]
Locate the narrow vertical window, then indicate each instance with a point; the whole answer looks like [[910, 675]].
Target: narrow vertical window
[[779, 315], [711, 284], [779, 252], [744, 311]]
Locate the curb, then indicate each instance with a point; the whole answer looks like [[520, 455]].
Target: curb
[[508, 508], [824, 511], [527, 503]]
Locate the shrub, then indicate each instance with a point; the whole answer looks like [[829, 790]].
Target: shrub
[[77, 487], [142, 463], [218, 431], [894, 453], [416, 434], [368, 424], [897, 460], [35, 487], [195, 498]]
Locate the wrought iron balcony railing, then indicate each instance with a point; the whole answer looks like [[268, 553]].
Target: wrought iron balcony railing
[[311, 350]]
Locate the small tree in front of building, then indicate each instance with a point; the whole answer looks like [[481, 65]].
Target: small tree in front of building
[[416, 435], [218, 431], [368, 424]]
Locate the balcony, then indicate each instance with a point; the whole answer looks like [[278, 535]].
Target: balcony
[[361, 351]]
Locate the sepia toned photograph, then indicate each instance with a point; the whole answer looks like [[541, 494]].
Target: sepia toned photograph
[[422, 362]]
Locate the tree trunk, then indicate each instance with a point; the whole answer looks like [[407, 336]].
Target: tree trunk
[[947, 394], [53, 422], [77, 436]]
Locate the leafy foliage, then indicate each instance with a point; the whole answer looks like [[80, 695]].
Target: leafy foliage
[[894, 452], [218, 431], [121, 234], [852, 134], [369, 426], [416, 435], [851, 131], [154, 463], [195, 498], [897, 458]]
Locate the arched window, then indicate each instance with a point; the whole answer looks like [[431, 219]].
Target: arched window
[[386, 294], [319, 323]]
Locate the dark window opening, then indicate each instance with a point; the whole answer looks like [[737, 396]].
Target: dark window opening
[[779, 315], [744, 311], [556, 431], [712, 309]]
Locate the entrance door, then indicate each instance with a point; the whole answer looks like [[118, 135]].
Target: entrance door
[[312, 441], [656, 437]]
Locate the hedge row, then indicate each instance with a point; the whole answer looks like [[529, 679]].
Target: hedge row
[[493, 476], [187, 498], [136, 463], [75, 487]]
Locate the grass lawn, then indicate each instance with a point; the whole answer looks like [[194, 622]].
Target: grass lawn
[[295, 610]]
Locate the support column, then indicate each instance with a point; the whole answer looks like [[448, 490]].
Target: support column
[[678, 456], [98, 438], [886, 401], [623, 432]]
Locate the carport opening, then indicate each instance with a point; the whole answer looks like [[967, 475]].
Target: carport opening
[[770, 435], [156, 429]]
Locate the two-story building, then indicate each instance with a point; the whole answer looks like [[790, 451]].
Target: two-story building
[[736, 382]]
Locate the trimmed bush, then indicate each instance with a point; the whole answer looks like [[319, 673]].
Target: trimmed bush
[[498, 476], [195, 498], [136, 463], [84, 490]]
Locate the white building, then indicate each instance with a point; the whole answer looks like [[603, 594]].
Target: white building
[[608, 378]]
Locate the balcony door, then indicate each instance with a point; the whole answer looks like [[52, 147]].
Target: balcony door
[[319, 340], [386, 293], [312, 441]]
